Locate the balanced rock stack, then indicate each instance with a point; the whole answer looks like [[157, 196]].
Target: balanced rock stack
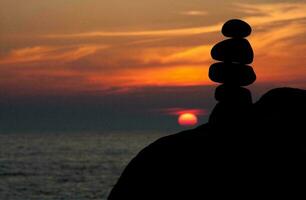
[[233, 72]]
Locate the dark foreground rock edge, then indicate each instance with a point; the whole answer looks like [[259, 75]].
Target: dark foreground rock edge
[[265, 155]]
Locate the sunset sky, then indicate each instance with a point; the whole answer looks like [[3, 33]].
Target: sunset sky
[[128, 65]]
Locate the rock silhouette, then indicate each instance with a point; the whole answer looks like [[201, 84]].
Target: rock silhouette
[[236, 28], [232, 73], [233, 50], [245, 151], [232, 94]]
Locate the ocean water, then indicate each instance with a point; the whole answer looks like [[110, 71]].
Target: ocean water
[[65, 166]]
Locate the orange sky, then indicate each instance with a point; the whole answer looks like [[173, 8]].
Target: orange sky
[[63, 46]]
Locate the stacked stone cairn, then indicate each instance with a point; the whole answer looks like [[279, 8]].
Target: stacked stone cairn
[[233, 72]]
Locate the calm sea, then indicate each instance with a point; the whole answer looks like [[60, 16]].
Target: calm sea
[[65, 166]]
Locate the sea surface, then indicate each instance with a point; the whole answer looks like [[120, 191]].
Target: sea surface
[[65, 166]]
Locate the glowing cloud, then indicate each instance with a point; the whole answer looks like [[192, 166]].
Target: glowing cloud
[[169, 32], [273, 12], [194, 13], [50, 53], [180, 111]]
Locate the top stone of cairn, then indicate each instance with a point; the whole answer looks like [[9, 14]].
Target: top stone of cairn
[[236, 28]]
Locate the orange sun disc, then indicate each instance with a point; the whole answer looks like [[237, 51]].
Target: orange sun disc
[[187, 119]]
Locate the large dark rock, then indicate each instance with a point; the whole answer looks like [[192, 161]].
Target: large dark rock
[[228, 114], [232, 73], [262, 155], [236, 28], [283, 106], [233, 50]]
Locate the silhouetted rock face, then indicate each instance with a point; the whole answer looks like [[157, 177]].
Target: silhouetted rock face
[[283, 107], [262, 155], [233, 50], [226, 114], [236, 28]]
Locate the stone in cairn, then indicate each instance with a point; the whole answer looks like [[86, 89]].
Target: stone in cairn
[[233, 95], [235, 50], [236, 28], [233, 71]]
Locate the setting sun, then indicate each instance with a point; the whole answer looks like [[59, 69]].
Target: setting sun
[[187, 119]]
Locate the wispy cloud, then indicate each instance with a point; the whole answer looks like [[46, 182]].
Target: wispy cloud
[[50, 53], [194, 13], [272, 12], [179, 111], [166, 32], [198, 54]]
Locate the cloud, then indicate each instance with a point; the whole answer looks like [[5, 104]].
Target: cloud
[[50, 53], [198, 54], [194, 13], [260, 14], [163, 32], [179, 111]]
